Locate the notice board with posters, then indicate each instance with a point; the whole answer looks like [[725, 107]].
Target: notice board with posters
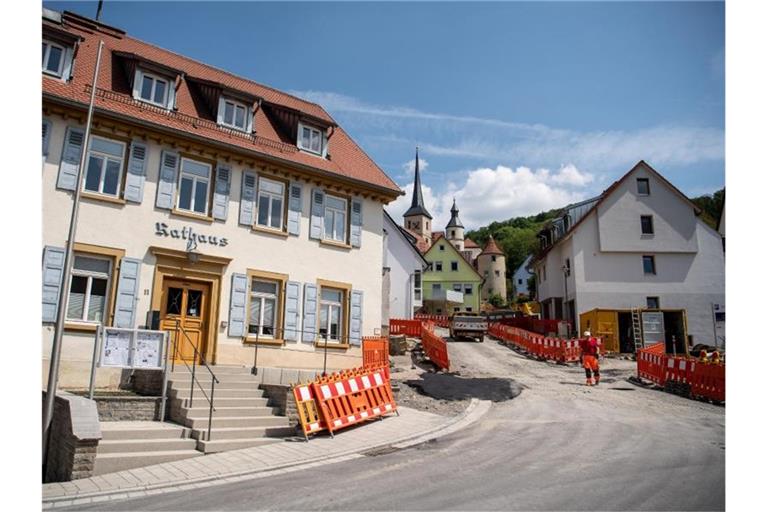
[[132, 348], [653, 327]]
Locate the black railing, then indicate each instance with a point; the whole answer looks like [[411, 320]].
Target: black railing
[[197, 357], [318, 339]]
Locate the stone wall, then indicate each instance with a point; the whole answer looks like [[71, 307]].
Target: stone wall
[[128, 408], [281, 397], [75, 435], [147, 382]]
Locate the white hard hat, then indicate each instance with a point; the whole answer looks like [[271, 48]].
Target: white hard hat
[[587, 333]]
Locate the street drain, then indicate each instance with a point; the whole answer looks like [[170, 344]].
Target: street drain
[[622, 389], [385, 450]]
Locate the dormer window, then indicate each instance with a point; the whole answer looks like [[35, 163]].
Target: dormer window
[[310, 139], [152, 88], [233, 114], [57, 59]]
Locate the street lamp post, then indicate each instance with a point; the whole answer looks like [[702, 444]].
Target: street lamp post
[[53, 371]]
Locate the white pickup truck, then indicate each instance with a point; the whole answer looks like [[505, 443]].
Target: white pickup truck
[[468, 325]]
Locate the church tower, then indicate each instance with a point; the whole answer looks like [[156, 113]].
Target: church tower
[[454, 230], [417, 219], [492, 265]]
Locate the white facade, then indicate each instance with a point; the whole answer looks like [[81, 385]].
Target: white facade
[[606, 248], [520, 278], [141, 231], [405, 266]]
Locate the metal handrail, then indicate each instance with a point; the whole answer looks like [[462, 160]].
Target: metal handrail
[[197, 354], [343, 339]]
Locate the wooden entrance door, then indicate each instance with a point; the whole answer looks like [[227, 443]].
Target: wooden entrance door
[[185, 304]]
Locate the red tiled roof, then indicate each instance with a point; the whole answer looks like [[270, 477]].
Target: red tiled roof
[[470, 244], [491, 247], [421, 244], [347, 160]]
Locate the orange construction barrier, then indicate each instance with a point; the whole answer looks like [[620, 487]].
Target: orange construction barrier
[[436, 349], [708, 381], [376, 353], [353, 398], [651, 364], [439, 320], [309, 417], [407, 327]]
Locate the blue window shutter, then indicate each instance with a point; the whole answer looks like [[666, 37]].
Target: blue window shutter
[[53, 270], [247, 198], [221, 193], [47, 126], [318, 214], [291, 322], [309, 325], [356, 223], [356, 318], [237, 296], [166, 184], [294, 208], [137, 171], [127, 293], [70, 158]]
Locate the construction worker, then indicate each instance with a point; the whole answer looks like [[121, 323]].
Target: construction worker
[[590, 352]]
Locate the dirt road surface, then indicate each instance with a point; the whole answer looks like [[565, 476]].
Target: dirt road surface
[[558, 445]]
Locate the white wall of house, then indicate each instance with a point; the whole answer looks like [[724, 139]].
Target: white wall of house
[[520, 278], [689, 260], [402, 261], [131, 227]]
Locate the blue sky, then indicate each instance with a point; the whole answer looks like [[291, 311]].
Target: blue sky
[[517, 107]]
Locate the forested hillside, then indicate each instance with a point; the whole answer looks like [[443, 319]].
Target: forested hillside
[[517, 236]]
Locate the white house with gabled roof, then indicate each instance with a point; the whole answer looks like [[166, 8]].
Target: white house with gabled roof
[[641, 243]]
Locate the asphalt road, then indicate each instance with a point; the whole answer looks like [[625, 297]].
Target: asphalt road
[[558, 446]]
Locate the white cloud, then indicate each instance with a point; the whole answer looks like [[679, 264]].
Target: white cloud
[[488, 195], [492, 140], [410, 166]]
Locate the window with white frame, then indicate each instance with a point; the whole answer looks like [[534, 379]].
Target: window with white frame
[[468, 289], [454, 266], [335, 218], [417, 285], [53, 58], [194, 183], [262, 315], [89, 288], [457, 287], [331, 314], [152, 88], [233, 114], [103, 173], [271, 201], [438, 266], [310, 139]]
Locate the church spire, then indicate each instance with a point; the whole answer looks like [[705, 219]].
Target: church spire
[[417, 200], [455, 222]]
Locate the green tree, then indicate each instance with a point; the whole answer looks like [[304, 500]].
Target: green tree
[[497, 301]]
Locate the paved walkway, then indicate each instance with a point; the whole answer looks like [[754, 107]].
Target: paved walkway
[[411, 427]]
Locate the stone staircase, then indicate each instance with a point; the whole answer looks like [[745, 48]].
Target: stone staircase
[[242, 417], [133, 444]]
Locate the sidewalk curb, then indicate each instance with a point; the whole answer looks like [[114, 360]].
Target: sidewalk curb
[[474, 411]]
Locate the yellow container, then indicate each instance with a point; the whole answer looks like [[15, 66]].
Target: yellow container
[[604, 324]]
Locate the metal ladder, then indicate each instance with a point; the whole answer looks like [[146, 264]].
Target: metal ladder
[[637, 326]]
